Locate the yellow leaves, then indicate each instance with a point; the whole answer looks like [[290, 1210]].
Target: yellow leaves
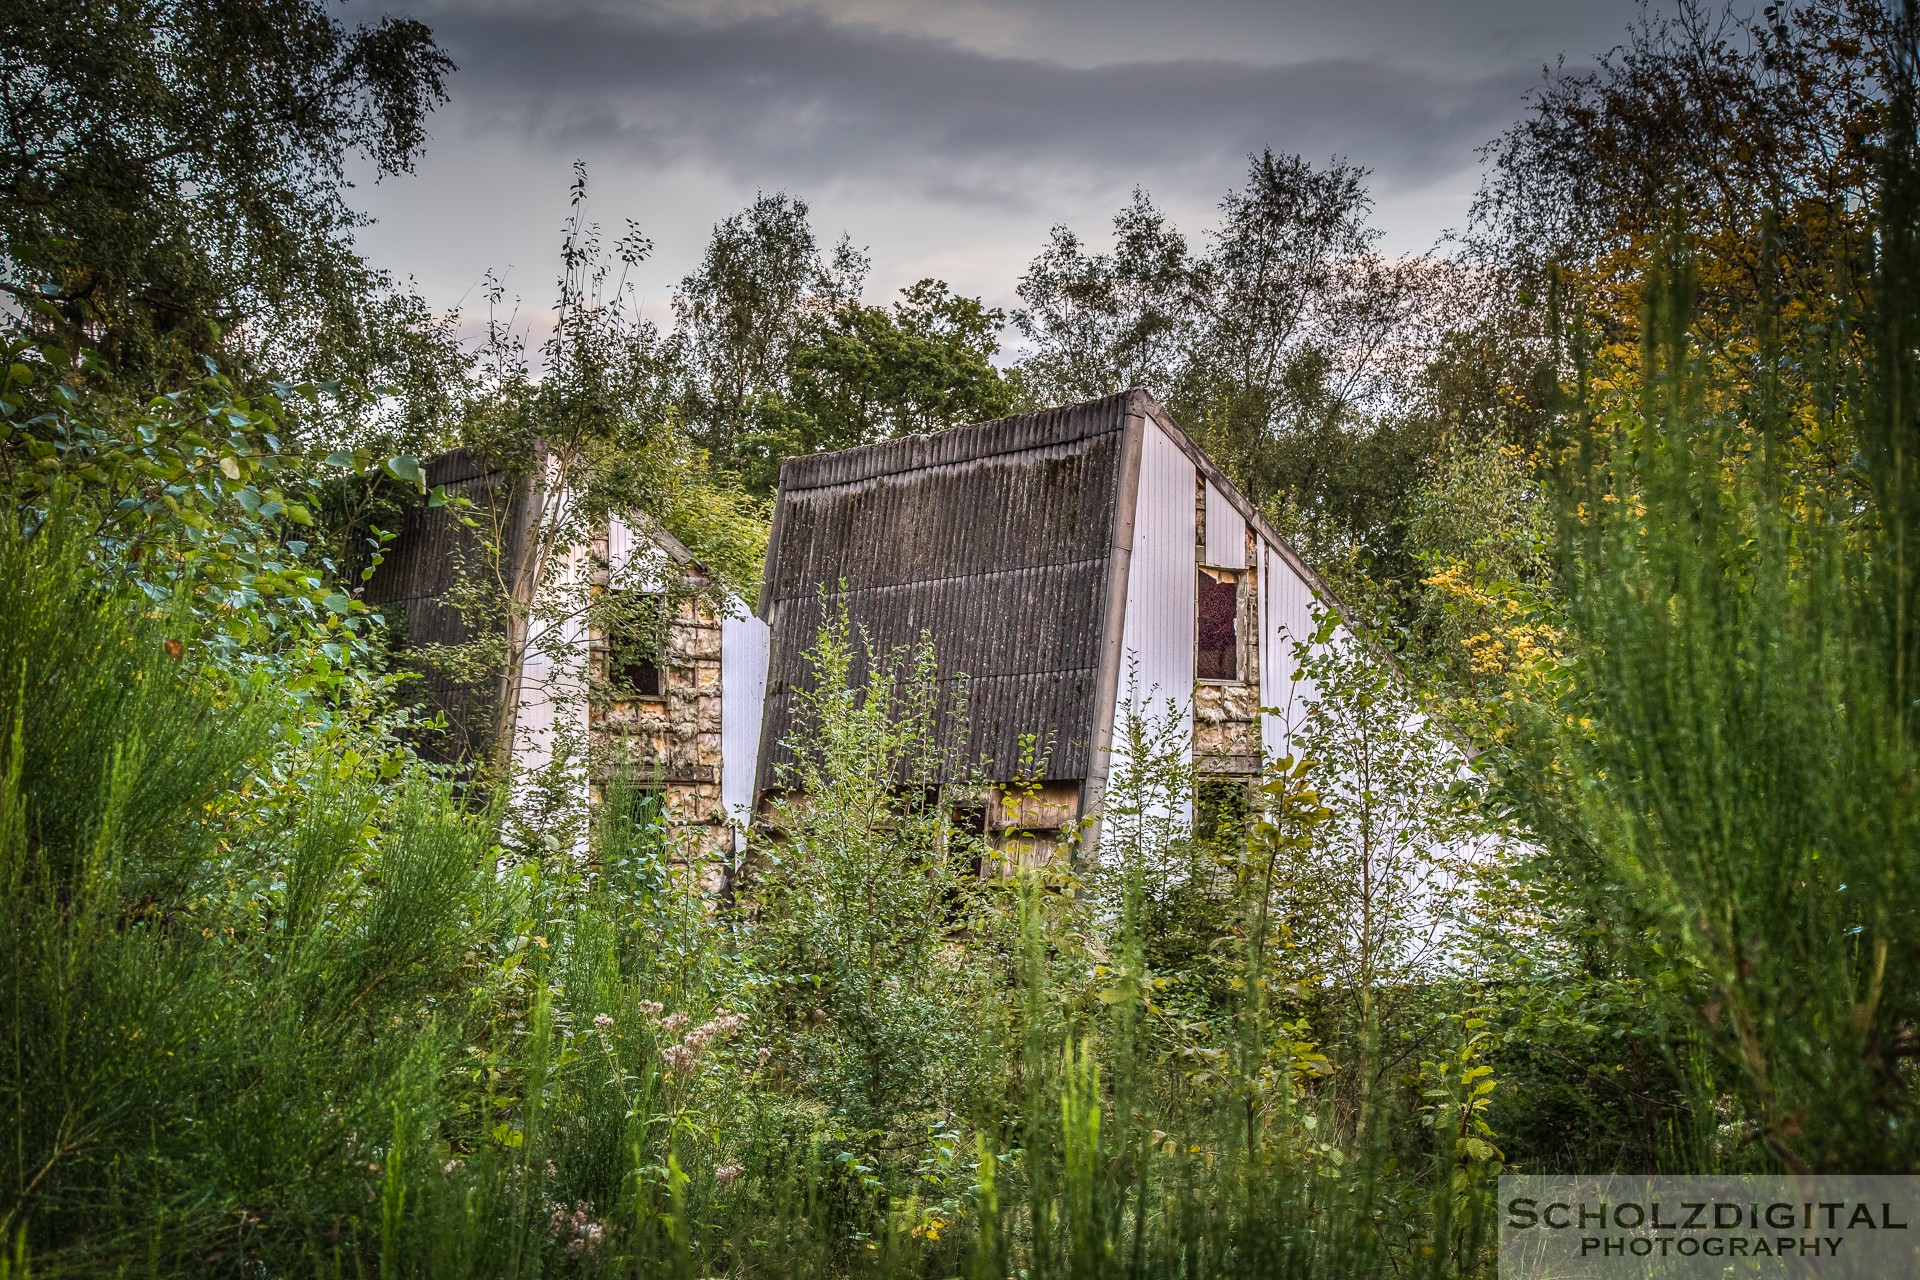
[[1509, 644], [1455, 580]]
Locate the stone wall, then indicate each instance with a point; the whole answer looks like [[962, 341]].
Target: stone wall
[[673, 741]]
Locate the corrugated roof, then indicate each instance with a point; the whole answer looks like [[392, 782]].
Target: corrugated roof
[[995, 540]]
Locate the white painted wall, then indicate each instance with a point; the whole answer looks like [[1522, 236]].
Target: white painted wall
[[1226, 532], [553, 675], [1286, 616], [622, 545], [635, 560], [743, 687], [1156, 670]]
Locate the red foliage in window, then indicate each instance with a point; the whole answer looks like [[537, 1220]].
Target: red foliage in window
[[1216, 650]]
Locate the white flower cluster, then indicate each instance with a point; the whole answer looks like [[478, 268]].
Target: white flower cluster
[[580, 1235], [679, 1059]]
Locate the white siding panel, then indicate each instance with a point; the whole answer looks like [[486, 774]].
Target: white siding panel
[[634, 562], [552, 712], [1271, 731], [1286, 616], [620, 543], [743, 689], [1156, 673], [1226, 532]]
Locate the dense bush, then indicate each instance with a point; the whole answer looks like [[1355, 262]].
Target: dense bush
[[275, 998]]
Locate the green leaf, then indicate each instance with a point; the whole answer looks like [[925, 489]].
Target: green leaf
[[337, 603], [402, 466]]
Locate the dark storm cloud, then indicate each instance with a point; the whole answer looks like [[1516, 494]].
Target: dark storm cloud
[[800, 99]]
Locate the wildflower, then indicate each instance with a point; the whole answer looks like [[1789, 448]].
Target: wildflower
[[679, 1059], [726, 1174], [580, 1234], [764, 1056], [651, 1008], [450, 1167], [602, 1021], [586, 1240]]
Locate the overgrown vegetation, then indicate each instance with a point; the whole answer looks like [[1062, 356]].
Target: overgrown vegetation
[[278, 996]]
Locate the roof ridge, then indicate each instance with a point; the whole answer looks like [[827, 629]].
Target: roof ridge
[[1016, 433]]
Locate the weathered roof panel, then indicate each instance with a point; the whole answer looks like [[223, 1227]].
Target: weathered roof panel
[[421, 577], [994, 540]]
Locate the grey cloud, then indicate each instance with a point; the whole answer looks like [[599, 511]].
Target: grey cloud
[[797, 99]]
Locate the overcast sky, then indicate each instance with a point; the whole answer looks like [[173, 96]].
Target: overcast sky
[[945, 137]]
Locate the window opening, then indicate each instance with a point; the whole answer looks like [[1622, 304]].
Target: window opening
[[970, 827], [1217, 646], [1221, 807], [634, 652]]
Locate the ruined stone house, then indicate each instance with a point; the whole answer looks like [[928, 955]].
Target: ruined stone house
[[1070, 565], [677, 708]]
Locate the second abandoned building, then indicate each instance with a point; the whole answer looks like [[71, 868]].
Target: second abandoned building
[[1071, 564]]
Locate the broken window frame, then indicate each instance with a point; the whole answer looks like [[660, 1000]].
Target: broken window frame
[[1217, 582]]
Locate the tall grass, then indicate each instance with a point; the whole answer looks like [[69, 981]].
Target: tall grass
[[1737, 737], [264, 1007]]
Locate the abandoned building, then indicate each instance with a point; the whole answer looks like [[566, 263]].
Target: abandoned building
[[1069, 565], [1072, 564], [678, 709]]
